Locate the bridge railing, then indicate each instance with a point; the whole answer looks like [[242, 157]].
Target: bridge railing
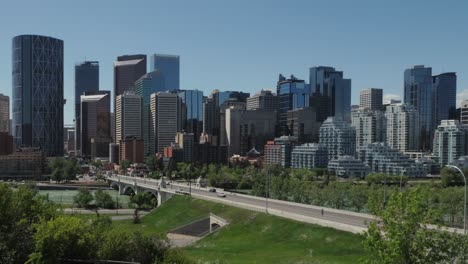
[[137, 180]]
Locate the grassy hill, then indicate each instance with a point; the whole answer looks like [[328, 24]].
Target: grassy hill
[[252, 237]]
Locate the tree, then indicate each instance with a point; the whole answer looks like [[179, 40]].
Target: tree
[[151, 162], [104, 199], [20, 210], [83, 198], [450, 177], [142, 200], [57, 166], [402, 234], [358, 196], [125, 164], [71, 168]]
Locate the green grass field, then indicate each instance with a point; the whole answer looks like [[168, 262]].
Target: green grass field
[[251, 237]]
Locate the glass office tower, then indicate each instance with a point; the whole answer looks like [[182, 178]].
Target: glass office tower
[[192, 108], [418, 93], [292, 94], [86, 80], [169, 66], [38, 93], [445, 97], [330, 93]]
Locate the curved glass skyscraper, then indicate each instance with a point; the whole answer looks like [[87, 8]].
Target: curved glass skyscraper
[[38, 93]]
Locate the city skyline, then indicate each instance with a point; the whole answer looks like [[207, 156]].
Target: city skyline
[[250, 47]]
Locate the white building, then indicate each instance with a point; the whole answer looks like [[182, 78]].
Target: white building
[[348, 166], [370, 125], [464, 112], [338, 136], [380, 157], [371, 98], [309, 155], [165, 120], [403, 131], [450, 141], [128, 116]]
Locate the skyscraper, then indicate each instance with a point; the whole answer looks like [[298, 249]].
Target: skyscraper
[[192, 112], [263, 100], [165, 120], [445, 97], [86, 80], [292, 94], [330, 93], [371, 98], [128, 116], [148, 84], [169, 66], [418, 92], [4, 113], [403, 127], [38, 93], [95, 123]]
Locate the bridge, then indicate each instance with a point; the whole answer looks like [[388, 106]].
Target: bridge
[[324, 216]]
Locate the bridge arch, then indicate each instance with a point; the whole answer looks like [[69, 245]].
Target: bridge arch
[[114, 185], [129, 190]]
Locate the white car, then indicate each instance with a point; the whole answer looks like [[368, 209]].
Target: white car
[[221, 195]]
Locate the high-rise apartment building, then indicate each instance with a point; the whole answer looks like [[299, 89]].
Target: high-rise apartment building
[[450, 141], [38, 93], [370, 125], [279, 151], [265, 100], [86, 80], [169, 66], [95, 123], [165, 120], [403, 127], [4, 113], [148, 84], [338, 136], [330, 93], [445, 97], [309, 155], [464, 112], [418, 93], [128, 116], [292, 94], [371, 98]]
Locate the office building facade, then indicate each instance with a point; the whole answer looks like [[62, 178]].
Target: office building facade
[[192, 112], [445, 97], [148, 84], [38, 93], [186, 142], [4, 113], [264, 100], [302, 124], [292, 94], [279, 151], [330, 93], [165, 120], [128, 116], [86, 80], [247, 129], [418, 93], [371, 98], [95, 123], [169, 66], [131, 148]]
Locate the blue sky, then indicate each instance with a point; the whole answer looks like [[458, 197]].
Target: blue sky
[[244, 44]]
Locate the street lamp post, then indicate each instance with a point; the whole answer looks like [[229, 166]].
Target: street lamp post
[[464, 205]]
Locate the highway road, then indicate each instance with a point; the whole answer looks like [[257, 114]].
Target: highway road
[[339, 216]]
